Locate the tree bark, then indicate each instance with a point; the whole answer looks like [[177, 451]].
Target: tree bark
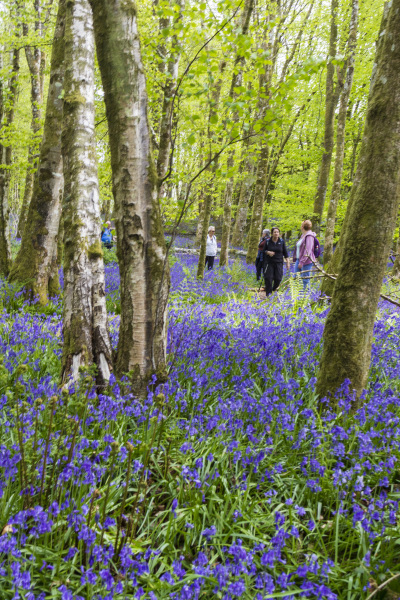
[[348, 333], [7, 117], [141, 246], [328, 285], [199, 228], [331, 99], [340, 136], [33, 58], [209, 193], [34, 264], [258, 204], [237, 78], [86, 338], [238, 233], [164, 146], [396, 265]]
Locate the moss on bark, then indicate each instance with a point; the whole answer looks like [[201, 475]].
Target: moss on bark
[[373, 208]]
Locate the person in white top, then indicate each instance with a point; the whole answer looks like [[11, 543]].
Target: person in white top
[[211, 248]]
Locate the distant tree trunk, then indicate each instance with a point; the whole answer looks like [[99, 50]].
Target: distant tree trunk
[[35, 263], [348, 333], [7, 110], [164, 146], [199, 228], [33, 58], [86, 338], [209, 193], [340, 136], [258, 204], [243, 204], [141, 246], [263, 157], [236, 82], [331, 99]]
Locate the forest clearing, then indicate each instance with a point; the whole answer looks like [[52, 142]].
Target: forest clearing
[[199, 299]]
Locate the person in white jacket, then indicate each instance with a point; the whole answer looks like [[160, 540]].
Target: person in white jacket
[[211, 248]]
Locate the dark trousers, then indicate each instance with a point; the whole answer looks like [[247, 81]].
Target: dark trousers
[[210, 262], [272, 276], [259, 267], [108, 245]]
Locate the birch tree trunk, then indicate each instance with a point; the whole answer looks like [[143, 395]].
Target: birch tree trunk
[[7, 117], [348, 333], [86, 339], [236, 82], [331, 99], [141, 246], [35, 264], [340, 136], [33, 58]]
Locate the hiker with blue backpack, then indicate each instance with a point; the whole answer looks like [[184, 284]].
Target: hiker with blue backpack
[[275, 253], [307, 251]]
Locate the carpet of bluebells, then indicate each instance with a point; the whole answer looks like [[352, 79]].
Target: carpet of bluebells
[[229, 481]]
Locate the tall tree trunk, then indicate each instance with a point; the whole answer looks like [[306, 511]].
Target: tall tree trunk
[[348, 333], [263, 157], [238, 233], [33, 58], [209, 192], [258, 204], [86, 338], [140, 240], [236, 82], [328, 285], [164, 146], [34, 264], [7, 118], [340, 136], [199, 228], [331, 99]]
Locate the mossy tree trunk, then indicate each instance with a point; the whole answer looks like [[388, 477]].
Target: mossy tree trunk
[[141, 246], [340, 135], [348, 333], [331, 100], [86, 339], [36, 262], [236, 82], [328, 285], [8, 100], [34, 59]]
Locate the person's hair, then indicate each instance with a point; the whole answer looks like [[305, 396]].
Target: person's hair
[[211, 228], [273, 229], [306, 225], [266, 231]]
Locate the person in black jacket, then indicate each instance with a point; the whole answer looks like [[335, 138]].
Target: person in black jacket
[[274, 253]]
